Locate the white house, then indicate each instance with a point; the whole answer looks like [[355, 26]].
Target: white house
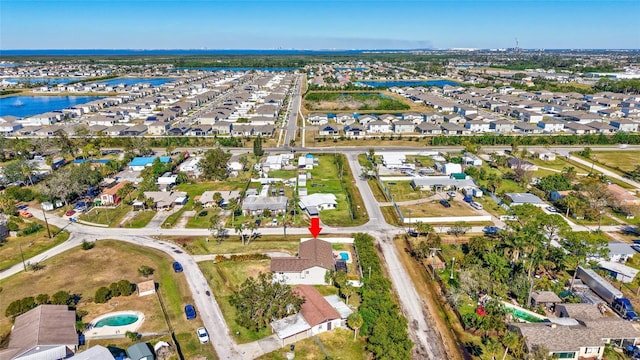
[[403, 126], [318, 119], [314, 260], [315, 203], [551, 126]]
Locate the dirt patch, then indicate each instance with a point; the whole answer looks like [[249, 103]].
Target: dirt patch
[[429, 294]]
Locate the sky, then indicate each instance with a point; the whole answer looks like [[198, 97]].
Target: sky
[[318, 24]]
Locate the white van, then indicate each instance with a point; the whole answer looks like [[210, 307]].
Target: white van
[[476, 205]]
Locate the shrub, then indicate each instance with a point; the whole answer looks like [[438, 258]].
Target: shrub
[[145, 270], [114, 289], [125, 287], [31, 229], [102, 295], [42, 299], [86, 245], [20, 306], [12, 226], [62, 298]]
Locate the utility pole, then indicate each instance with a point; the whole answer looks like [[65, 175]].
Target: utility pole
[[46, 223], [451, 273], [22, 256]]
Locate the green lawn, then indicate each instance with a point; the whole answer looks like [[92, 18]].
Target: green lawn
[[434, 208], [338, 343], [30, 245], [141, 219], [200, 221], [106, 216], [617, 160], [232, 244], [283, 174], [378, 193], [224, 278], [424, 161], [402, 191]]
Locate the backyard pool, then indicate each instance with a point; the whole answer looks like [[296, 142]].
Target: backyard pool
[[524, 314], [117, 320], [344, 256]]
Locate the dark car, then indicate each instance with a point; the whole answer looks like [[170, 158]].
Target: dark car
[[468, 199], [177, 267], [490, 230], [190, 312], [445, 203], [258, 222]]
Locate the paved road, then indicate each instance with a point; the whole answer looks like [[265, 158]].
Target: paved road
[[606, 172], [294, 109]]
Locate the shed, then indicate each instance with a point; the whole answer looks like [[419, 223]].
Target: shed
[[47, 206], [146, 288], [140, 351], [545, 298]]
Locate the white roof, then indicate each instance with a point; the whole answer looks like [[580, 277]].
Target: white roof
[[94, 353], [619, 268], [341, 308], [393, 158], [317, 200], [291, 325]]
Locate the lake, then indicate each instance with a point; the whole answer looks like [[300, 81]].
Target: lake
[[25, 106], [134, 81], [388, 84]]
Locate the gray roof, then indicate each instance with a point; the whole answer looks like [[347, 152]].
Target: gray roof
[[95, 353], [559, 338], [140, 351], [442, 181], [620, 248], [255, 203], [525, 198], [343, 310], [545, 297]]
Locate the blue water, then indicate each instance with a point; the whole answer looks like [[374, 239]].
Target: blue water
[[24, 106], [42, 80], [438, 83], [133, 81], [344, 256], [117, 320], [220, 68]]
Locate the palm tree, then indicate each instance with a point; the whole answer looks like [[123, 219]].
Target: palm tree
[[355, 322], [125, 190], [510, 340], [569, 173], [239, 229], [347, 290]]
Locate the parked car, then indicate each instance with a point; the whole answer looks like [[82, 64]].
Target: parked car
[[70, 213], [258, 222], [25, 214], [451, 193], [468, 199], [476, 205], [551, 209], [445, 203], [190, 312], [490, 230], [636, 247], [203, 335], [177, 267]]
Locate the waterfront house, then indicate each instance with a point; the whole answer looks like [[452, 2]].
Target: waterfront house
[[318, 119]]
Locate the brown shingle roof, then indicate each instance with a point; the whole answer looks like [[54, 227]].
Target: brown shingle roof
[[315, 309], [314, 252], [44, 325]]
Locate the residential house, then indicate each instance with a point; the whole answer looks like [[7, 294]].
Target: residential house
[[354, 130], [167, 199], [199, 130], [256, 205], [602, 127], [515, 163], [158, 128], [530, 116], [221, 128], [579, 129], [454, 119], [428, 129], [140, 351], [46, 332], [314, 260], [478, 126], [551, 126], [415, 118], [624, 125], [388, 118], [403, 126], [109, 196], [329, 130], [622, 197], [318, 119], [345, 118], [364, 120], [527, 128], [501, 126], [96, 352], [453, 129], [315, 203], [619, 252], [546, 299]]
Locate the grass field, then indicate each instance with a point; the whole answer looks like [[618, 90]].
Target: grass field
[[434, 208], [618, 160], [83, 272], [402, 191], [30, 245], [378, 193], [106, 216], [202, 222], [233, 245], [141, 219], [360, 100], [224, 278], [338, 343]]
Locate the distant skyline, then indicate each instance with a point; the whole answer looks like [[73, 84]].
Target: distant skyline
[[317, 24]]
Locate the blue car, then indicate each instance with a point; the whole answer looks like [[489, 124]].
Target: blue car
[[177, 267], [190, 312]]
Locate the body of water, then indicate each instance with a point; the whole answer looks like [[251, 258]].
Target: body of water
[[51, 81], [134, 81], [25, 106], [238, 68], [388, 84]]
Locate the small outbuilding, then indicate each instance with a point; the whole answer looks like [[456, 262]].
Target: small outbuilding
[[140, 351], [146, 288], [548, 299]]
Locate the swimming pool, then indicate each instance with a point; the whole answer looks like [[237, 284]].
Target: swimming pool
[[524, 314], [117, 320], [344, 256]]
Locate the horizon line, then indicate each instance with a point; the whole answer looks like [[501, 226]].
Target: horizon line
[[319, 49]]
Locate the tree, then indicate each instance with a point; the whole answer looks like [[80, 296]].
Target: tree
[[555, 182], [347, 290], [214, 164], [103, 294], [125, 287], [510, 340], [569, 173], [65, 144], [553, 225], [145, 270], [459, 228], [261, 300], [244, 161], [125, 190], [355, 322], [42, 299], [257, 147], [216, 226]]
